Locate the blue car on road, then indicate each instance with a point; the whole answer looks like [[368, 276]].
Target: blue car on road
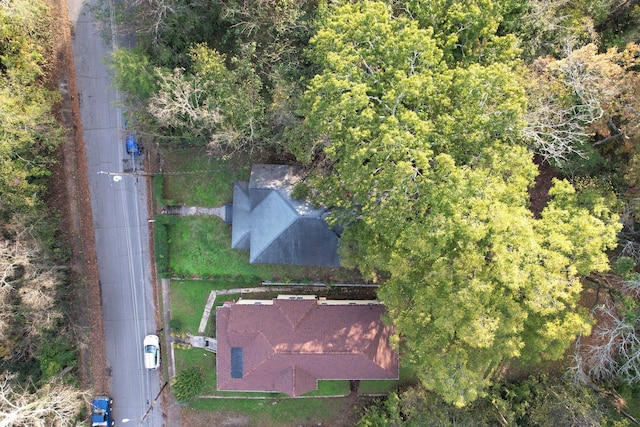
[[133, 148], [101, 412]]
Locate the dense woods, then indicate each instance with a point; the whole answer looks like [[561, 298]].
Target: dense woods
[[37, 382], [424, 124]]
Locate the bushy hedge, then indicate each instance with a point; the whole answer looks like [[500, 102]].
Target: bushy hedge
[[158, 188], [161, 244]]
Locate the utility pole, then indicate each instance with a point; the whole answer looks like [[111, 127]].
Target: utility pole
[[153, 403], [114, 174]]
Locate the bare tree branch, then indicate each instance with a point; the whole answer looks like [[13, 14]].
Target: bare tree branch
[[28, 283], [616, 356], [54, 404], [182, 102]]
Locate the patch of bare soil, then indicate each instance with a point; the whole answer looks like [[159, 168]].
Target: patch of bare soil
[[597, 292], [539, 194], [350, 414], [69, 195], [193, 418]]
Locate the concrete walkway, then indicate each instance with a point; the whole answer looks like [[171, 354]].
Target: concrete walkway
[[207, 311], [195, 211]]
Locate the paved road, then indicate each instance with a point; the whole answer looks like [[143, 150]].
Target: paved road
[[121, 230]]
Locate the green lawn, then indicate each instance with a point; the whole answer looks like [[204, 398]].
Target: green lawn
[[407, 376], [286, 412], [188, 299], [201, 247], [201, 359], [211, 186], [331, 388]]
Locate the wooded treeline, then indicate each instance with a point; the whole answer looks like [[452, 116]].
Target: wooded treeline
[[424, 124], [37, 352]]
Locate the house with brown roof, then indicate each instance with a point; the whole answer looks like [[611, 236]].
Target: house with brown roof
[[276, 228], [287, 344]]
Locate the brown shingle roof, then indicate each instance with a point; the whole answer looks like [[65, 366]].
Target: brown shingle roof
[[289, 345]]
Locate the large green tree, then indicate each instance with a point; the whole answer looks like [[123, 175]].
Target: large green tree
[[420, 157], [217, 101]]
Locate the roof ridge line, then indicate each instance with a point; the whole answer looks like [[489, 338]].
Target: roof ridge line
[[264, 360], [295, 325], [296, 217]]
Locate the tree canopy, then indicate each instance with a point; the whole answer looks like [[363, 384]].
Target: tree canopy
[[537, 400], [205, 103], [466, 31], [34, 348], [29, 132], [424, 151], [585, 102]]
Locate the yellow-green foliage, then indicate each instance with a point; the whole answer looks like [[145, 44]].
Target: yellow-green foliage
[[432, 182], [28, 130]]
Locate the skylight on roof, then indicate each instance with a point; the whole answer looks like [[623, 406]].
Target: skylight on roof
[[236, 362]]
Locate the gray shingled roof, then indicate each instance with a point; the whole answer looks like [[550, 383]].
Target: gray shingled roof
[[276, 228], [241, 218]]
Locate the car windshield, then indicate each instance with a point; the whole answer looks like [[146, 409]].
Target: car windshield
[[150, 349]]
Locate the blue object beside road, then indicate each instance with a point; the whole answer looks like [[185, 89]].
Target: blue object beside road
[[132, 145], [133, 148], [101, 412]]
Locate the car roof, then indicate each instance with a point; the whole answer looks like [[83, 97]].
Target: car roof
[[101, 402], [151, 340]]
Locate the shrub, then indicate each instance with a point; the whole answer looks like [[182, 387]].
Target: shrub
[[56, 355], [187, 384]]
